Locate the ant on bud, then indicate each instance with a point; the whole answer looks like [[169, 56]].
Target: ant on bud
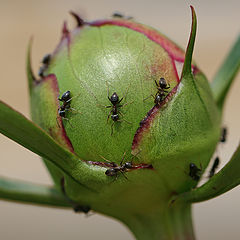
[[45, 62], [122, 168], [214, 167], [223, 135], [66, 106], [161, 91], [194, 172], [114, 112], [120, 15]]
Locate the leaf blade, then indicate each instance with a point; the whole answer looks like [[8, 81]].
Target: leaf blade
[[226, 73], [21, 130], [24, 192]]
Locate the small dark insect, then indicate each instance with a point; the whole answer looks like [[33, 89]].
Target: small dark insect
[[66, 106], [214, 167], [115, 168], [114, 112], [161, 87], [66, 99], [223, 135], [161, 91], [76, 207], [45, 62], [46, 59], [120, 15], [117, 15], [194, 172]]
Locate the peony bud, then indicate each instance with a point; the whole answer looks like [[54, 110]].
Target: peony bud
[[121, 91]]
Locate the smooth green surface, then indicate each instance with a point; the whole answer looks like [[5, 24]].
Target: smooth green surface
[[30, 193], [124, 61], [226, 73], [165, 223]]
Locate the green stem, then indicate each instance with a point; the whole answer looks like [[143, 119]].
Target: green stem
[[169, 223], [225, 76], [31, 193]]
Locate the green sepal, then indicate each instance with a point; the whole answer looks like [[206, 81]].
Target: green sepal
[[25, 192], [223, 181], [226, 74], [187, 67], [15, 126], [30, 75]]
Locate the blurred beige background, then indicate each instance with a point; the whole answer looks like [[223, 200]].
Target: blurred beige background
[[218, 26]]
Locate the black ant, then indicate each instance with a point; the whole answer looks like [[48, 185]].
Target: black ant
[[120, 15], [214, 167], [161, 87], [115, 168], [66, 106], [194, 172], [66, 99], [161, 91], [45, 62], [223, 135], [114, 113]]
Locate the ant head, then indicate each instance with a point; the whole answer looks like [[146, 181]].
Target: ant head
[[128, 165], [192, 166], [46, 59], [114, 98], [65, 96], [111, 172], [162, 83]]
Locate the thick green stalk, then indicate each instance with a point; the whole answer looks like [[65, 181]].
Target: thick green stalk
[[166, 223]]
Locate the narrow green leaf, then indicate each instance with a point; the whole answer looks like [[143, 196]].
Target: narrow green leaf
[[223, 181], [187, 67], [225, 75], [30, 74], [31, 193], [15, 126]]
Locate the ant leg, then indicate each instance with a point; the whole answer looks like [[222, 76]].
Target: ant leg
[[112, 129], [73, 110], [113, 164], [68, 121], [122, 158], [124, 175], [109, 115], [108, 93], [126, 104], [148, 97], [70, 99], [168, 86], [125, 93], [123, 120], [57, 122]]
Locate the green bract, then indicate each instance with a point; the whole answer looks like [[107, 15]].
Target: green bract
[[130, 158]]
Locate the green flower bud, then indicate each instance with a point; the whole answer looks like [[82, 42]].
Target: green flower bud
[[129, 102]]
